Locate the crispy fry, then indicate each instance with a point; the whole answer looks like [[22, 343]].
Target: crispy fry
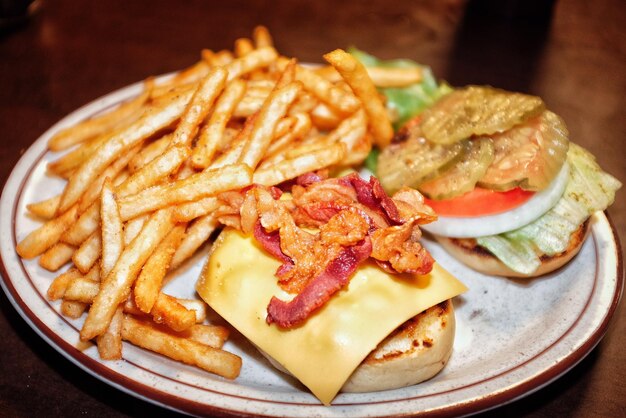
[[166, 310], [73, 309], [274, 108], [110, 342], [116, 286], [150, 152], [45, 209], [188, 351], [112, 231], [381, 76], [124, 113], [211, 335], [212, 131], [292, 168], [56, 256], [88, 253], [133, 227], [262, 37], [302, 125], [195, 305], [206, 183], [59, 285], [153, 120], [150, 279], [197, 234], [254, 60], [192, 210], [243, 46], [198, 108], [354, 73], [353, 133], [86, 224], [82, 289], [46, 235]]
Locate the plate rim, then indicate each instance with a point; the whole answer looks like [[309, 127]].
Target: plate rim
[[164, 399]]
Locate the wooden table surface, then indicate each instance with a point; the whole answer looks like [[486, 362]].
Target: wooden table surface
[[69, 53]]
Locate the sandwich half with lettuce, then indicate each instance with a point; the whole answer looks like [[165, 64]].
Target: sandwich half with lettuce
[[513, 194]]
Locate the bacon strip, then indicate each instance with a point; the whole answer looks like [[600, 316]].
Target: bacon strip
[[320, 289], [374, 197], [270, 241]]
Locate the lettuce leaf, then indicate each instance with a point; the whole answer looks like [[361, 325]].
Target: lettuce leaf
[[589, 189]]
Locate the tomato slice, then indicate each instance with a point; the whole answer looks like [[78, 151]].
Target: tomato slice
[[480, 202]]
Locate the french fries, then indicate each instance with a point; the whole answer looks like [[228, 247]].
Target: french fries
[[151, 181]]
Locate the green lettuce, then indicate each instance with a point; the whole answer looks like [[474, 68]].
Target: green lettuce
[[589, 189]]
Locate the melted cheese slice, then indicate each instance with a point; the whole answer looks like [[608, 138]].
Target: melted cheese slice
[[238, 282]]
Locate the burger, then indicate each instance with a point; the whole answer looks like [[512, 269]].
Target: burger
[[329, 281], [513, 194]]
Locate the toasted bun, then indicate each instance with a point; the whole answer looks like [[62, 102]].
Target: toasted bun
[[415, 351], [480, 259]]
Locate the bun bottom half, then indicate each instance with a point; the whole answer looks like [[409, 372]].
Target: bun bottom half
[[480, 259], [415, 351]]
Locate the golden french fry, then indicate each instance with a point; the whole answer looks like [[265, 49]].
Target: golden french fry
[[56, 256], [152, 121], [201, 103], [150, 280], [88, 253], [192, 210], [355, 74], [112, 229], [248, 106], [211, 335], [292, 168], [86, 224], [243, 46], [124, 113], [381, 76], [133, 227], [274, 108], [233, 153], [189, 75], [253, 60], [217, 59], [47, 234], [45, 209], [324, 117], [211, 133], [261, 36], [206, 183], [93, 193], [352, 132], [342, 101], [82, 289], [110, 342], [154, 171], [59, 285], [150, 152], [195, 305], [302, 124], [166, 310], [73, 309], [197, 234], [116, 286], [73, 159], [185, 350]]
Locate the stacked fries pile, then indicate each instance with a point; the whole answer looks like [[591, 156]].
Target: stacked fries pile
[[144, 180]]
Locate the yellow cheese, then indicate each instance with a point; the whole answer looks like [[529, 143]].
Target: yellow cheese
[[238, 282]]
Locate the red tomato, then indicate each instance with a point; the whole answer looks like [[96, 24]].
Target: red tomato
[[480, 202]]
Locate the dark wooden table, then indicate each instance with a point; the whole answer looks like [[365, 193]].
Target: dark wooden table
[[68, 53]]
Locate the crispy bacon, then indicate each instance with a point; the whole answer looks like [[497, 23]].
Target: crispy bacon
[[319, 290], [353, 219]]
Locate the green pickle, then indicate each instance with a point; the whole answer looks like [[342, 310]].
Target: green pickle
[[529, 155], [477, 111], [461, 178], [413, 161]]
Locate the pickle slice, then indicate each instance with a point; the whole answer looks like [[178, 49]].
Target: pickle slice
[[461, 178], [413, 161], [529, 155], [475, 111]]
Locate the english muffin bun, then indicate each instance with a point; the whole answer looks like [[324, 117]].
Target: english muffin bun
[[415, 351], [480, 259]]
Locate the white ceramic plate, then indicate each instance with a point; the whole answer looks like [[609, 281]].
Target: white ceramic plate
[[513, 336]]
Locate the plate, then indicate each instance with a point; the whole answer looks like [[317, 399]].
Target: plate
[[513, 336]]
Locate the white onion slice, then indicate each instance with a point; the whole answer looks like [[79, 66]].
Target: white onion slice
[[479, 226]]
